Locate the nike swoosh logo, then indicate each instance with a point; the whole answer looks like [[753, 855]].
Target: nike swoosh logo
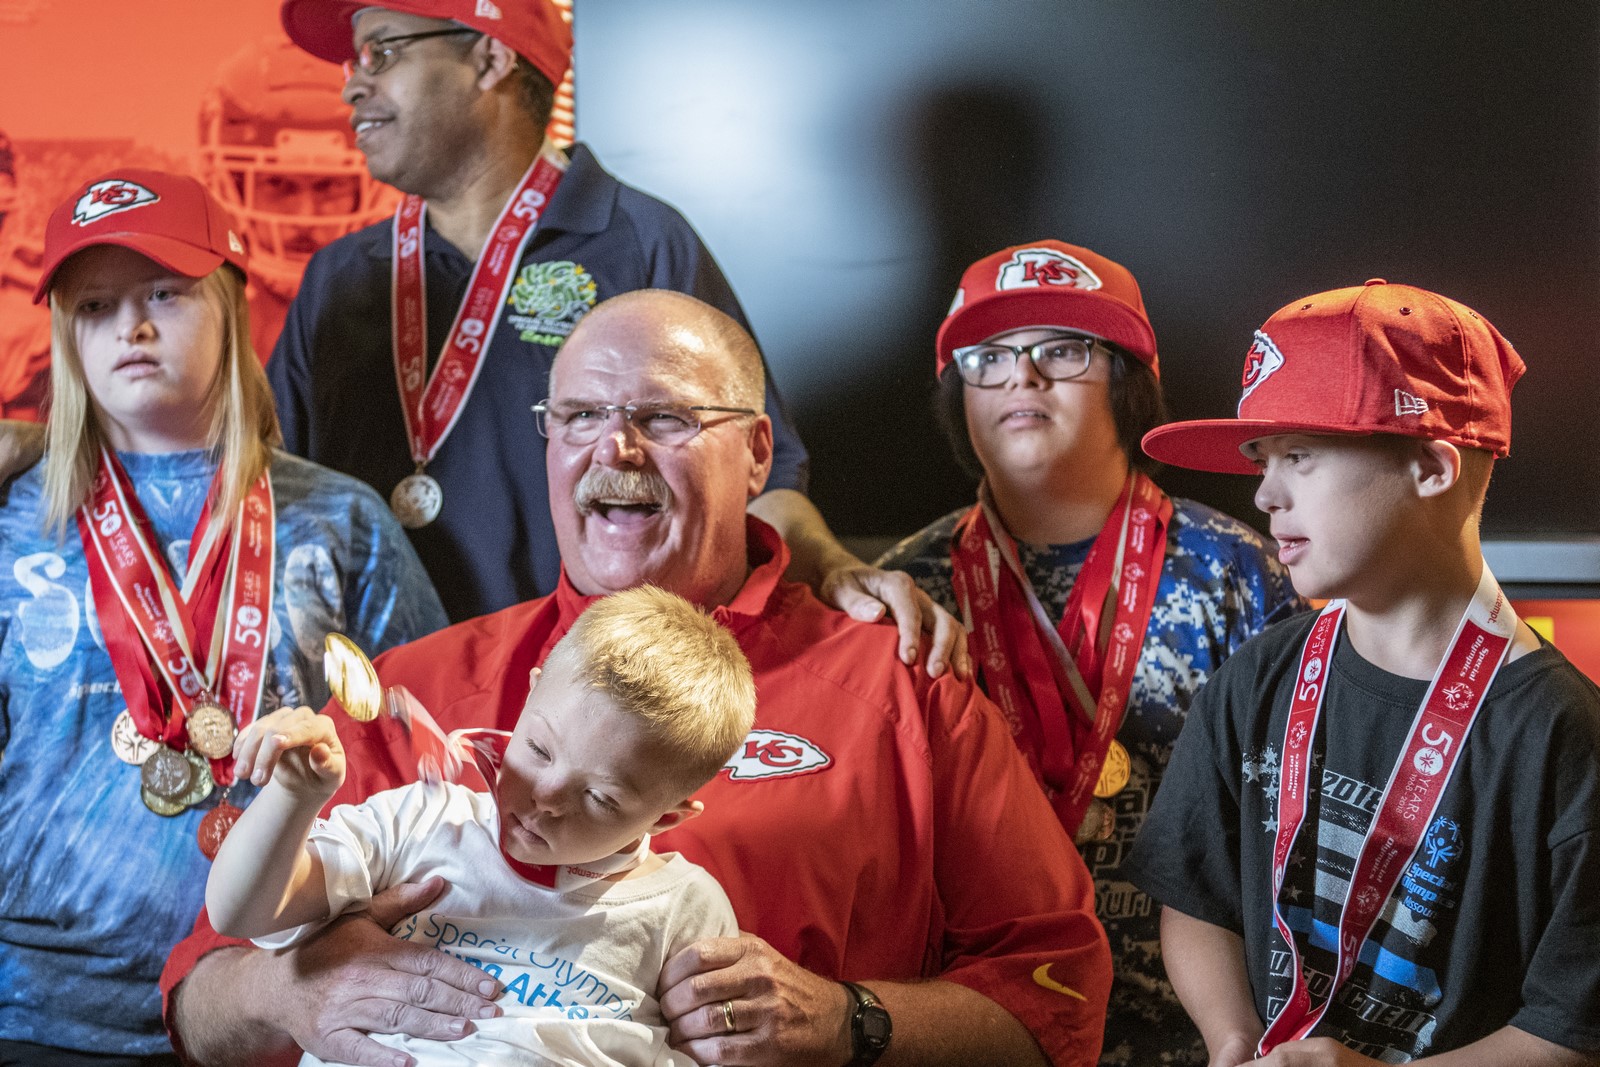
[[1041, 977]]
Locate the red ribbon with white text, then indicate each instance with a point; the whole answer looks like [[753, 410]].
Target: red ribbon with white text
[[431, 411], [152, 628], [1045, 677], [1410, 799]]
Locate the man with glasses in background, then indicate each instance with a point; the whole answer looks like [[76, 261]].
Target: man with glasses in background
[[415, 348], [1098, 605]]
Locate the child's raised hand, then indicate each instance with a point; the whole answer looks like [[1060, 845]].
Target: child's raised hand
[[295, 747]]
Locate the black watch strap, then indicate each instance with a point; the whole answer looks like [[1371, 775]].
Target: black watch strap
[[870, 1026]]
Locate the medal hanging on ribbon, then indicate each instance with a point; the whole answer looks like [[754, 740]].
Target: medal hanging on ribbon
[[431, 404], [170, 680], [1045, 677], [1410, 799]]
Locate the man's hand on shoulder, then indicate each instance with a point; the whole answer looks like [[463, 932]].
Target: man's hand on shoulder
[[780, 1013], [21, 446], [865, 593]]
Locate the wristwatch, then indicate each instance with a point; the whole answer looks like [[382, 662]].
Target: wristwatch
[[870, 1026]]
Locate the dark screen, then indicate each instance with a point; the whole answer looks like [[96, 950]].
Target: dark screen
[[846, 159]]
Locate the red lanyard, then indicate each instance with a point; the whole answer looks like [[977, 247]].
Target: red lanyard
[[431, 412], [152, 627], [1416, 784], [1044, 679]]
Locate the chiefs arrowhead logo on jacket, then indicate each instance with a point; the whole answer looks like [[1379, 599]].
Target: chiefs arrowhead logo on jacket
[[772, 754]]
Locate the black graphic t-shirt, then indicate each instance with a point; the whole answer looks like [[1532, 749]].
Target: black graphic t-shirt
[[1494, 922]]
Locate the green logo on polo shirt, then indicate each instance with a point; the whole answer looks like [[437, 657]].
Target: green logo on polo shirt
[[549, 299]]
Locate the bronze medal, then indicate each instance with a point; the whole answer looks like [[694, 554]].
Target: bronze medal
[[201, 784], [1099, 824], [351, 678], [211, 730], [215, 826], [166, 775], [1114, 772], [417, 500], [128, 743]]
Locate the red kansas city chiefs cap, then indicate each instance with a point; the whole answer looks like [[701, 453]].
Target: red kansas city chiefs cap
[[1375, 358], [1047, 283], [171, 218], [534, 29]]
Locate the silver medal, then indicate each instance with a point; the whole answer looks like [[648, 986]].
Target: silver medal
[[128, 743], [417, 500]]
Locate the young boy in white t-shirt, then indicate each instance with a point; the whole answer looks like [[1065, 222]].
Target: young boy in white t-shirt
[[1376, 841], [552, 888]]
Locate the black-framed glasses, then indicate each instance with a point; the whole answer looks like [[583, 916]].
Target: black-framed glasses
[[579, 423], [375, 56], [1059, 357]]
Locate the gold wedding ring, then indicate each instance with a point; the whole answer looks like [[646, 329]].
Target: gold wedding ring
[[727, 1016]]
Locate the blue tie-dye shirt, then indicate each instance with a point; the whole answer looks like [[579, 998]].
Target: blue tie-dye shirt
[[94, 887], [1220, 585]]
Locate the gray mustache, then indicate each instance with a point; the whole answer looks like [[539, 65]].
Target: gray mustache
[[625, 486]]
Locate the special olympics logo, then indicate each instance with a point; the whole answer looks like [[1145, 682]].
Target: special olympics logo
[[1428, 761], [1313, 670], [248, 616], [1458, 697], [1132, 572], [1368, 899], [1298, 737], [1141, 517], [1122, 633]]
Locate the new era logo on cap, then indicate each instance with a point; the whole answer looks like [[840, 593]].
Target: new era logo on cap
[[1031, 268], [487, 10], [107, 198]]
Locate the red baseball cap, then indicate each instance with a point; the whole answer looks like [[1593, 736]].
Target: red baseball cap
[[1375, 358], [534, 29], [1047, 283], [170, 218]]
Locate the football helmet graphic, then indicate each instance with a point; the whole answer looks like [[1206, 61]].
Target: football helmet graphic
[[276, 148]]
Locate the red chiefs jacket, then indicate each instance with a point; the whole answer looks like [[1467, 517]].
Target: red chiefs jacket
[[877, 824]]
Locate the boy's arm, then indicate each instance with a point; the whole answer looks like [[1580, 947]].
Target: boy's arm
[[1205, 964], [266, 877], [1507, 1045]]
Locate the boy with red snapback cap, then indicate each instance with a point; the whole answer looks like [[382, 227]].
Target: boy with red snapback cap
[[1114, 603], [1376, 838]]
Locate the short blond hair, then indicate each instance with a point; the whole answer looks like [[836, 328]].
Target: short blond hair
[[244, 423], [662, 659]]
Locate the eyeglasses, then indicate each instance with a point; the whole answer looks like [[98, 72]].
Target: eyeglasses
[[577, 423], [375, 56], [1059, 358]]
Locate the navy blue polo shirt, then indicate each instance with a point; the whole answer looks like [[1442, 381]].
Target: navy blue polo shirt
[[332, 373]]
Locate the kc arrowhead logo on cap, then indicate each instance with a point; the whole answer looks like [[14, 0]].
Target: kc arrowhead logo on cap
[[1032, 268], [108, 197], [1259, 364]]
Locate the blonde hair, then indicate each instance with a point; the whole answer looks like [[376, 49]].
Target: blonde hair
[[244, 423], [662, 659]]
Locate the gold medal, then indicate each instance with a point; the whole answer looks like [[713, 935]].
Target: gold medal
[[167, 808], [166, 775], [128, 743], [1099, 824], [1114, 771], [201, 784], [351, 678], [211, 730]]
